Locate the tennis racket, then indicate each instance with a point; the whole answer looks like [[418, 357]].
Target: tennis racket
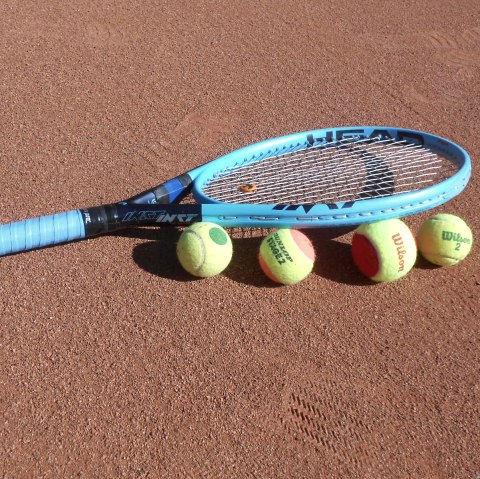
[[320, 178]]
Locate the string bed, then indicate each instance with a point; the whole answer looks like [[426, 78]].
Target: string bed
[[346, 170]]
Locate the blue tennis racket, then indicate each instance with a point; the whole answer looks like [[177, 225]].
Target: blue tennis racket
[[321, 178]]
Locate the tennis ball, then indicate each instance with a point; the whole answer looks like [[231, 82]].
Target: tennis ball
[[286, 256], [444, 239], [384, 250], [204, 249]]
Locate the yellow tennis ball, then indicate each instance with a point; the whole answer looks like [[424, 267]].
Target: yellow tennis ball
[[286, 256], [384, 250], [204, 249], [444, 239]]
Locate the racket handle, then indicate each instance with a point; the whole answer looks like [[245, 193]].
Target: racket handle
[[40, 232]]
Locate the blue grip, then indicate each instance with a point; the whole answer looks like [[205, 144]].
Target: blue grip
[[39, 232]]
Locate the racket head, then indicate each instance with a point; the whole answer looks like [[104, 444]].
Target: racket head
[[343, 176]]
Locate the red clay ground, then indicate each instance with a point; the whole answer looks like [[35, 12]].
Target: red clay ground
[[114, 363]]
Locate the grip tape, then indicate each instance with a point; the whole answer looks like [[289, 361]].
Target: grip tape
[[39, 232]]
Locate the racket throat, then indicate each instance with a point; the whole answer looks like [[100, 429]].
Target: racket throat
[[171, 191], [156, 215], [108, 218]]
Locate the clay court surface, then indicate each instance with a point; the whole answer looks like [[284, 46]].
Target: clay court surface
[[116, 363]]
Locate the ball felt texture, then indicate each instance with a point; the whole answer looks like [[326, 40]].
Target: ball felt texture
[[384, 250], [444, 239], [204, 249], [286, 256]]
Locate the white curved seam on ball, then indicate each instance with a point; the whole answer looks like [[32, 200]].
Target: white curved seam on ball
[[202, 245]]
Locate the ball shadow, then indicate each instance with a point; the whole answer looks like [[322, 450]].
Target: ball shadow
[[158, 255], [334, 260], [324, 234], [422, 263], [244, 267]]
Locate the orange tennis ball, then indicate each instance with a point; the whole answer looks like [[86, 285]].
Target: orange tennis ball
[[384, 250], [286, 256]]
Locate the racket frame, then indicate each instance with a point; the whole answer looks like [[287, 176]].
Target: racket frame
[[338, 213], [161, 205]]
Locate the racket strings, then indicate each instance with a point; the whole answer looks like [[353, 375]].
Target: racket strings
[[323, 180], [279, 173], [344, 170]]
